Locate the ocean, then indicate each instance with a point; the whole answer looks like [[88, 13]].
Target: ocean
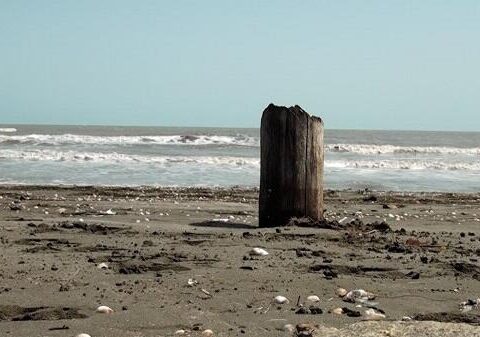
[[167, 156]]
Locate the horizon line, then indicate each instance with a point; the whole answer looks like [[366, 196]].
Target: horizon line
[[220, 127]]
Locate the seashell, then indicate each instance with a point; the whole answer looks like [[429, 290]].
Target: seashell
[[358, 295], [373, 315], [192, 282], [337, 311], [102, 265], [83, 335], [207, 333], [180, 332], [281, 300], [289, 328], [103, 309], [258, 252], [110, 212], [313, 298], [341, 292]]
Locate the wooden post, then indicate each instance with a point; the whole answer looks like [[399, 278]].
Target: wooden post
[[291, 173]]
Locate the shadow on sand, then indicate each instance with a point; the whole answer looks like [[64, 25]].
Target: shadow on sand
[[223, 224]]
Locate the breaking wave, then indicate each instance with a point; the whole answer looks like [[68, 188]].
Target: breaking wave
[[227, 161], [405, 165], [74, 156], [392, 149], [205, 140]]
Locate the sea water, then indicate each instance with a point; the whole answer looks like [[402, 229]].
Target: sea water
[[166, 156]]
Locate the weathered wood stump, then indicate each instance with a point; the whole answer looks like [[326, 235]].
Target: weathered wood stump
[[291, 173]]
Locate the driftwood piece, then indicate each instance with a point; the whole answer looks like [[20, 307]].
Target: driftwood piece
[[291, 178]]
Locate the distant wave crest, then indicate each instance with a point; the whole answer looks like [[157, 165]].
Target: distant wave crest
[[8, 130], [70, 139]]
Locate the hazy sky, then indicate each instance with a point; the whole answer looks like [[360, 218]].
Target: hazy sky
[[358, 64]]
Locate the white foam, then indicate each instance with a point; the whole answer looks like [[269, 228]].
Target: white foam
[[404, 165], [8, 130], [74, 156], [228, 161], [369, 149], [70, 139]]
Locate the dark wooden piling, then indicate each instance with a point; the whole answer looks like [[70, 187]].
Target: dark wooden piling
[[291, 173]]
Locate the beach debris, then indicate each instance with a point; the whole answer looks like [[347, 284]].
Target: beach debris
[[346, 311], [350, 312], [61, 210], [413, 275], [281, 300], [207, 333], [180, 332], [83, 335], [103, 309], [289, 328], [206, 292], [312, 310], [313, 298], [469, 305], [192, 282], [389, 206], [341, 292], [110, 212], [305, 330], [358, 296], [102, 265], [258, 252], [373, 315], [16, 206]]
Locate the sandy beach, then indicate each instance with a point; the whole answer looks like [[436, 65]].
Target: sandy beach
[[179, 259]]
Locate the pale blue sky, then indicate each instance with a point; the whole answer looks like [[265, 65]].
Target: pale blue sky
[[358, 64]]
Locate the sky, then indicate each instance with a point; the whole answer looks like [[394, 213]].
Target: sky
[[409, 65]]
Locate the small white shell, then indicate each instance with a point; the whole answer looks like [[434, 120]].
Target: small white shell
[[281, 299], [207, 333], [372, 315], [83, 335], [341, 292], [191, 282], [258, 251], [313, 298], [103, 309], [337, 311], [289, 328], [102, 265], [180, 332]]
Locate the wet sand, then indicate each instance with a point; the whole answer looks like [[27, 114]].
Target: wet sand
[[52, 239]]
